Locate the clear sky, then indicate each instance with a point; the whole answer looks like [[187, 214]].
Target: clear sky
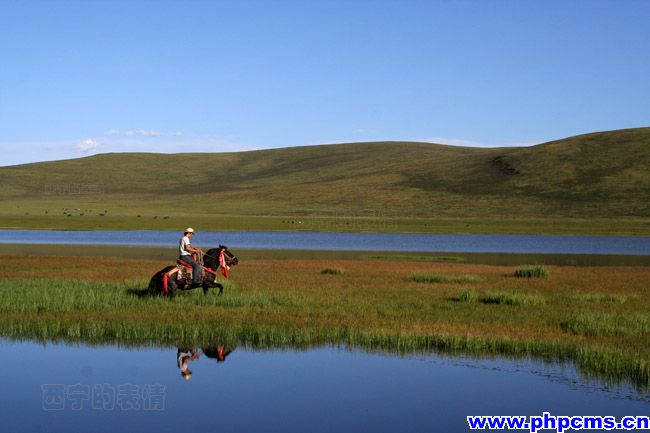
[[85, 77]]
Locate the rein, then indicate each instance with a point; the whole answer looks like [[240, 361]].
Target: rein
[[221, 262]]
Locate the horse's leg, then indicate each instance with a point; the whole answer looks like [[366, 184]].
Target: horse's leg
[[206, 283], [172, 287], [211, 283]]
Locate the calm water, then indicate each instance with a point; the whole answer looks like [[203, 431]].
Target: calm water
[[635, 245], [60, 388]]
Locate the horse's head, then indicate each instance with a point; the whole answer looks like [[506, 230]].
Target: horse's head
[[230, 258], [211, 258]]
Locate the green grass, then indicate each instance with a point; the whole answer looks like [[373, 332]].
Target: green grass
[[41, 296], [510, 298], [600, 298], [536, 271], [429, 277], [501, 298], [12, 217], [609, 324], [467, 296], [590, 184]]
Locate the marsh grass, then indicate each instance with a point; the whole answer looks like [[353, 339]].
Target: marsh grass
[[609, 324], [500, 298], [429, 277], [73, 296], [466, 296], [56, 296], [255, 299], [532, 271], [599, 298], [374, 307], [511, 298]]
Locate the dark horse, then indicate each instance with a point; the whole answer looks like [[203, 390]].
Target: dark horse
[[169, 280]]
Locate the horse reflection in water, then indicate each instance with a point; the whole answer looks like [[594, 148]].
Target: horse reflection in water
[[186, 355]]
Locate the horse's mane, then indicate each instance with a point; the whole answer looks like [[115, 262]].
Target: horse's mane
[[211, 258]]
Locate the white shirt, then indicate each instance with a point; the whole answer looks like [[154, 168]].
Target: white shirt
[[182, 247]]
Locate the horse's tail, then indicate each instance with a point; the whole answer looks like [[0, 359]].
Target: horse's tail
[[157, 282], [153, 285]]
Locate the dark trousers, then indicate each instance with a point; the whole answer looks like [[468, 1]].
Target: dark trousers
[[196, 268]]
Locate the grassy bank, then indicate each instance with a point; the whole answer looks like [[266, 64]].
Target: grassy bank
[[32, 215], [596, 317]]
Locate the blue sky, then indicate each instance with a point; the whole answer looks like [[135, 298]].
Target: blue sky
[[85, 77]]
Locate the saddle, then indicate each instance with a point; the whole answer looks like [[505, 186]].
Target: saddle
[[186, 270]]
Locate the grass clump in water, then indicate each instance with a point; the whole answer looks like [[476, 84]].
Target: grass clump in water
[[332, 271], [536, 271], [419, 277]]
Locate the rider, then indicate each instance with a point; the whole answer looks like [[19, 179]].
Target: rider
[[185, 254], [183, 357]]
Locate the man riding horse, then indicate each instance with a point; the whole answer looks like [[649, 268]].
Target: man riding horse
[[204, 269]]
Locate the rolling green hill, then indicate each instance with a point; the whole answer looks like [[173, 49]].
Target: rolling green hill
[[604, 176]]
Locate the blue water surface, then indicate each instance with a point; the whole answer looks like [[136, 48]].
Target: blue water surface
[[284, 391], [471, 243]]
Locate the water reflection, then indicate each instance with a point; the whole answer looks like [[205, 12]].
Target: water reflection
[[186, 355], [62, 388]]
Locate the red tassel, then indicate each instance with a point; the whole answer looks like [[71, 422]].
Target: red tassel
[[220, 353], [224, 266]]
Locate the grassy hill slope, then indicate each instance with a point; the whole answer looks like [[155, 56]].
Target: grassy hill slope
[[600, 175]]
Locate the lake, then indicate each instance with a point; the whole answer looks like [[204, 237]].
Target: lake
[[63, 388], [543, 244]]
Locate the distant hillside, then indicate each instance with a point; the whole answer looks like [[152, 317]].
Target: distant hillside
[[605, 174]]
